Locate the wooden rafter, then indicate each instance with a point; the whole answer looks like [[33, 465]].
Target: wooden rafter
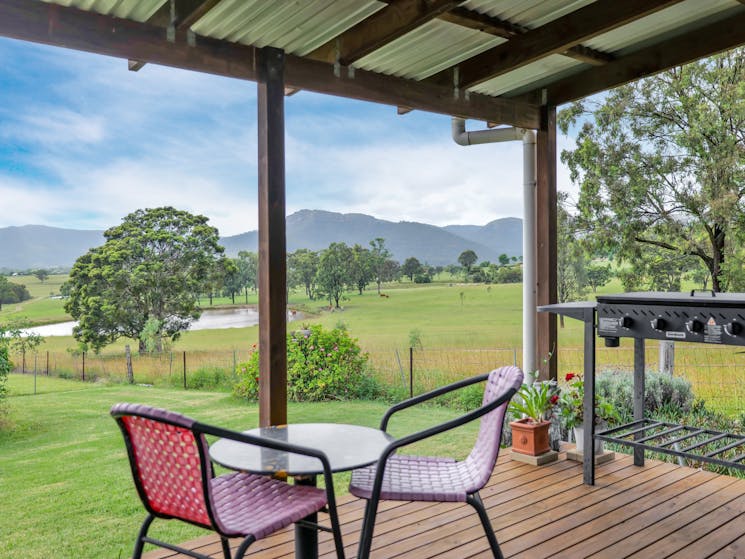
[[62, 26], [388, 24], [554, 37], [502, 28], [187, 13], [705, 41]]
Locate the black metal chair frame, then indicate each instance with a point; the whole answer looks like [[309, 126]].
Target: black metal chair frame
[[472, 499], [207, 468]]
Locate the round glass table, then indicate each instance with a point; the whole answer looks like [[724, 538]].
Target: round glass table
[[346, 446]]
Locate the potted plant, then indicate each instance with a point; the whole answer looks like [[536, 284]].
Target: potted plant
[[535, 402], [571, 410]]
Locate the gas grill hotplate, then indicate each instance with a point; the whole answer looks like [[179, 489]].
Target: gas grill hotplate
[[707, 317]]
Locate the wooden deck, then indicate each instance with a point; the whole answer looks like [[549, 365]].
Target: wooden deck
[[659, 510]]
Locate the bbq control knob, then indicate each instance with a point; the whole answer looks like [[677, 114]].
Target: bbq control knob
[[695, 326], [733, 328], [658, 323], [625, 322]]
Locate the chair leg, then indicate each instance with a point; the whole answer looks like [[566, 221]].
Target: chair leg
[[368, 526], [475, 501], [225, 547], [140, 543], [241, 551]]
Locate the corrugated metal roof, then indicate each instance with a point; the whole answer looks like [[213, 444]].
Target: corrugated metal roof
[[427, 50], [138, 10], [527, 13], [538, 71], [640, 31], [297, 26]]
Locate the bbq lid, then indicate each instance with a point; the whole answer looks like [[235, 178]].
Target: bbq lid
[[693, 298]]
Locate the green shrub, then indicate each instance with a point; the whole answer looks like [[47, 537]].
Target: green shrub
[[662, 393], [4, 370], [207, 378], [321, 365]]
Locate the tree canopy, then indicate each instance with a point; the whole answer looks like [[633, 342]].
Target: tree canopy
[[150, 271], [661, 165]]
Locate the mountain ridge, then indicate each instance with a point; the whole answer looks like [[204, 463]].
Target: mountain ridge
[[39, 246]]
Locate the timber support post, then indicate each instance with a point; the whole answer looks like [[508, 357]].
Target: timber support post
[[272, 240]]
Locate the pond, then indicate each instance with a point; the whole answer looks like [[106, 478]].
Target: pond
[[212, 319]]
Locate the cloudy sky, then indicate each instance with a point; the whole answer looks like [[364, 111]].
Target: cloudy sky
[[83, 142]]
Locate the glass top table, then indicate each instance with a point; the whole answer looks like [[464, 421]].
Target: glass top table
[[346, 446]]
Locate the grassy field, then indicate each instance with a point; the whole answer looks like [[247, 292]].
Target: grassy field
[[463, 329], [64, 475]]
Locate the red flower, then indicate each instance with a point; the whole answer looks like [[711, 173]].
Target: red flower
[[554, 399], [569, 376]]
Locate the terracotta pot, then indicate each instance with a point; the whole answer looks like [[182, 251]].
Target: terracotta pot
[[530, 438]]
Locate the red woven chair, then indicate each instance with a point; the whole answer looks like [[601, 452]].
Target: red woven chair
[[427, 478], [174, 477]]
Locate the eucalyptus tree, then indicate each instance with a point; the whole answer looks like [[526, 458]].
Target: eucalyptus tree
[[248, 271], [334, 271], [149, 272], [661, 164], [303, 268], [379, 254]]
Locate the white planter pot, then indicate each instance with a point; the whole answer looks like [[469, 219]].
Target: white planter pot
[[579, 437]]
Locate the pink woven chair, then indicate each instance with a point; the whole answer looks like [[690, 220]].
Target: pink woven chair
[[426, 478], [174, 477]]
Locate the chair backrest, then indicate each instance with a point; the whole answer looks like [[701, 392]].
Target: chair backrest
[[169, 462], [484, 454]]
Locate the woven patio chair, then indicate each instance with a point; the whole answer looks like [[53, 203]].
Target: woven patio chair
[[169, 457], [426, 478]]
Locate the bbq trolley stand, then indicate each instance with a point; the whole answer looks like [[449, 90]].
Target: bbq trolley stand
[[699, 317]]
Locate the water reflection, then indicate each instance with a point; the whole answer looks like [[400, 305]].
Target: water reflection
[[210, 320]]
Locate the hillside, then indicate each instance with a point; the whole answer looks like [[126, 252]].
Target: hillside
[[38, 246]]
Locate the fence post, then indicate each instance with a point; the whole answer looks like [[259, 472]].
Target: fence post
[[47, 362], [667, 357], [35, 355], [184, 370], [23, 362], [130, 372], [83, 376], [411, 372]]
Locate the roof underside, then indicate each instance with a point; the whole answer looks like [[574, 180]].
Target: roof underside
[[496, 60]]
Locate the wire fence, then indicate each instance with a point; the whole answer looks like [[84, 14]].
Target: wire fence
[[715, 372]]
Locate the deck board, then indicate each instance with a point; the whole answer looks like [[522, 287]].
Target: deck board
[[655, 511]]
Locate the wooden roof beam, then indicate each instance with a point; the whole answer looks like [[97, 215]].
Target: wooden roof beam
[[384, 26], [58, 25], [502, 28], [187, 13], [680, 50], [554, 37]]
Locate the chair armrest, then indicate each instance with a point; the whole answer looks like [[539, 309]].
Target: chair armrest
[[428, 396]]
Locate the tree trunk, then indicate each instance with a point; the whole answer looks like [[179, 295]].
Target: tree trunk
[[141, 348]]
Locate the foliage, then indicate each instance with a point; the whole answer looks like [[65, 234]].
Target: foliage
[[11, 292], [661, 392], [5, 367], [248, 271], [661, 163], [467, 258], [321, 365], [535, 401], [152, 266], [570, 258], [303, 269], [41, 274], [571, 404], [411, 267], [598, 275], [334, 272], [509, 274], [361, 268], [379, 254]]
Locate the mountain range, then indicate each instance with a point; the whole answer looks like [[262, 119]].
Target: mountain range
[[39, 246]]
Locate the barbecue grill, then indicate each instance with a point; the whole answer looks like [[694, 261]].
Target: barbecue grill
[[701, 317]]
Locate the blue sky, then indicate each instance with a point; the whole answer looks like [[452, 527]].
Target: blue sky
[[83, 142]]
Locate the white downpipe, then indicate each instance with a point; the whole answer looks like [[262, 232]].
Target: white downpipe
[[464, 138]]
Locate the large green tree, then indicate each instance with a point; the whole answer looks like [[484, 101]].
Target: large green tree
[[467, 259], [248, 271], [411, 267], [661, 164], [303, 268], [334, 271], [570, 258], [361, 268], [379, 254], [150, 271]]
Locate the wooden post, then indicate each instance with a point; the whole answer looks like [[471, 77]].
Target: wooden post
[[272, 241], [128, 358], [47, 362], [184, 370], [83, 375], [546, 273]]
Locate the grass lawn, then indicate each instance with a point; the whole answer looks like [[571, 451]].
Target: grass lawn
[[64, 475]]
